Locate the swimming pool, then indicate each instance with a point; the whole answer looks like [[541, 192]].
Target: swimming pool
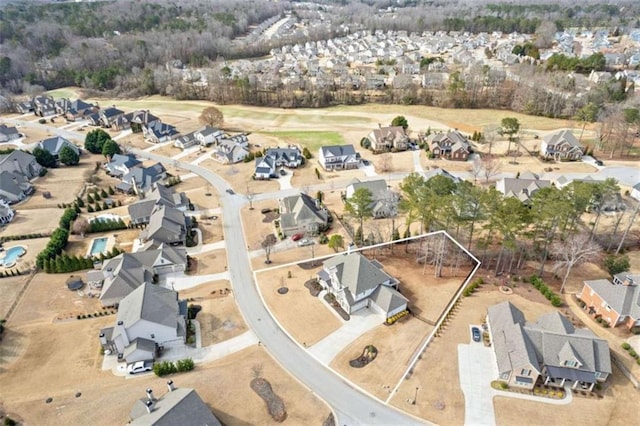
[[12, 254], [98, 246]]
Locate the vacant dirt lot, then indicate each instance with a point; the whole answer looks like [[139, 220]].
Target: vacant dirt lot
[[33, 221], [305, 317], [219, 318], [9, 289]]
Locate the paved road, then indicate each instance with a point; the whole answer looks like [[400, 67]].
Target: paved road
[[351, 406]]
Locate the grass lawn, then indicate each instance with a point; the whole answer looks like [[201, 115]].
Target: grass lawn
[[313, 140]]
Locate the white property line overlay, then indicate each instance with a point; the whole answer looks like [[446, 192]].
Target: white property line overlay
[[443, 316]]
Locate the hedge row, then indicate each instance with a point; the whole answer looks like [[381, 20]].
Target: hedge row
[[65, 263], [106, 225], [471, 288], [57, 243], [537, 282], [22, 237], [167, 367]]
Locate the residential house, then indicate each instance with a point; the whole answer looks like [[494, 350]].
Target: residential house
[[127, 271], [107, 117], [267, 165], [561, 145], [635, 191], [55, 144], [140, 211], [141, 179], [6, 212], [121, 164], [148, 318], [385, 201], [302, 214], [232, 150], [388, 138], [16, 169], [25, 107], [158, 132], [451, 145], [180, 406], [8, 133], [338, 157], [357, 283], [437, 171], [74, 110], [167, 225], [550, 351], [520, 188], [208, 135], [135, 120], [617, 302], [44, 106]]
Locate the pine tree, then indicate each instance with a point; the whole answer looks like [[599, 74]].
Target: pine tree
[[96, 196], [59, 266], [103, 194], [97, 207], [104, 205], [89, 199], [79, 202], [111, 190]]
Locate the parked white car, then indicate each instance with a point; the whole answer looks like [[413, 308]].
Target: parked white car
[[305, 242], [140, 367]]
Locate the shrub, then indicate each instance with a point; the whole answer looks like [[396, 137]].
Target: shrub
[[633, 353], [185, 365], [503, 385], [626, 346], [163, 368]]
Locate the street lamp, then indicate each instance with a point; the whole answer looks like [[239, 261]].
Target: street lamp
[[416, 395]]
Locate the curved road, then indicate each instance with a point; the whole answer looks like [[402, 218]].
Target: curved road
[[351, 406]]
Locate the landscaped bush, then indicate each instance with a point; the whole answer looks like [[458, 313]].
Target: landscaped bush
[[537, 282], [397, 316], [22, 237], [163, 368], [57, 243], [185, 365], [106, 225], [68, 216], [471, 288], [626, 346]]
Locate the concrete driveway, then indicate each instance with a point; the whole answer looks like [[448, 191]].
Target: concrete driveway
[[477, 369]]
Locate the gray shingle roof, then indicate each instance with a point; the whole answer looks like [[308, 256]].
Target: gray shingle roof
[[149, 302], [181, 406], [55, 144], [338, 150], [166, 224], [388, 298], [357, 273], [299, 209], [623, 299]]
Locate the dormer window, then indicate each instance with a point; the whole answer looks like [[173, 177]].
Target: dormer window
[[572, 364]]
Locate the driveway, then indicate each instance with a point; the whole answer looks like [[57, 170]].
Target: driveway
[[477, 369]]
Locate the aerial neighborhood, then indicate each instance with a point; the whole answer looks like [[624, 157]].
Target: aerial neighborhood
[[382, 245]]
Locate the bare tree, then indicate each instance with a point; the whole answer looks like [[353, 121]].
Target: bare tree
[[212, 116], [545, 33], [80, 226], [250, 196], [256, 370], [385, 162], [490, 134], [573, 251], [476, 168], [267, 245], [490, 167]]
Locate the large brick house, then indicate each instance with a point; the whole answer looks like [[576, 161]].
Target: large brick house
[[616, 302]]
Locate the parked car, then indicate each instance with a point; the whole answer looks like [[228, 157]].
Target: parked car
[[305, 242], [140, 367], [283, 172], [296, 237], [475, 333], [599, 163], [366, 162], [230, 191]]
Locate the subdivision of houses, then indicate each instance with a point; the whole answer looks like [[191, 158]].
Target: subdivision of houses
[[121, 164], [158, 132], [451, 145], [179, 406], [55, 144], [392, 138], [561, 145], [43, 106], [127, 271], [74, 110], [302, 214], [385, 201], [167, 225], [358, 283], [521, 188], [141, 179], [140, 211], [338, 157], [148, 318], [8, 133], [617, 302], [550, 351], [16, 170], [267, 166]]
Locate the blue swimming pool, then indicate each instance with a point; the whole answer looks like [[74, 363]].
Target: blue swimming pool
[[12, 254], [98, 246]]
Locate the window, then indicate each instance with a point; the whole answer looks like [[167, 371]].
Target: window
[[569, 363], [525, 372]]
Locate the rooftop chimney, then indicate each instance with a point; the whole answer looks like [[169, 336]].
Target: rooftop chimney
[[123, 332], [150, 394], [170, 385], [149, 404]]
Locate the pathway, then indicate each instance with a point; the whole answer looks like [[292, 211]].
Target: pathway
[[417, 164], [285, 181], [361, 322], [178, 281], [203, 248]]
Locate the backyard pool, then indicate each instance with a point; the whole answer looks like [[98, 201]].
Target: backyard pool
[[11, 255], [99, 245]]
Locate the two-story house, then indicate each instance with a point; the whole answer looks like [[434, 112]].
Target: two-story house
[[338, 157], [140, 211], [358, 283], [302, 214], [617, 302], [451, 145], [550, 351], [266, 166], [385, 139], [521, 188], [55, 144], [121, 164], [561, 145], [384, 200]]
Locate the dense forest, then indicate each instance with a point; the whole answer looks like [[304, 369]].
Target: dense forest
[[124, 48]]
